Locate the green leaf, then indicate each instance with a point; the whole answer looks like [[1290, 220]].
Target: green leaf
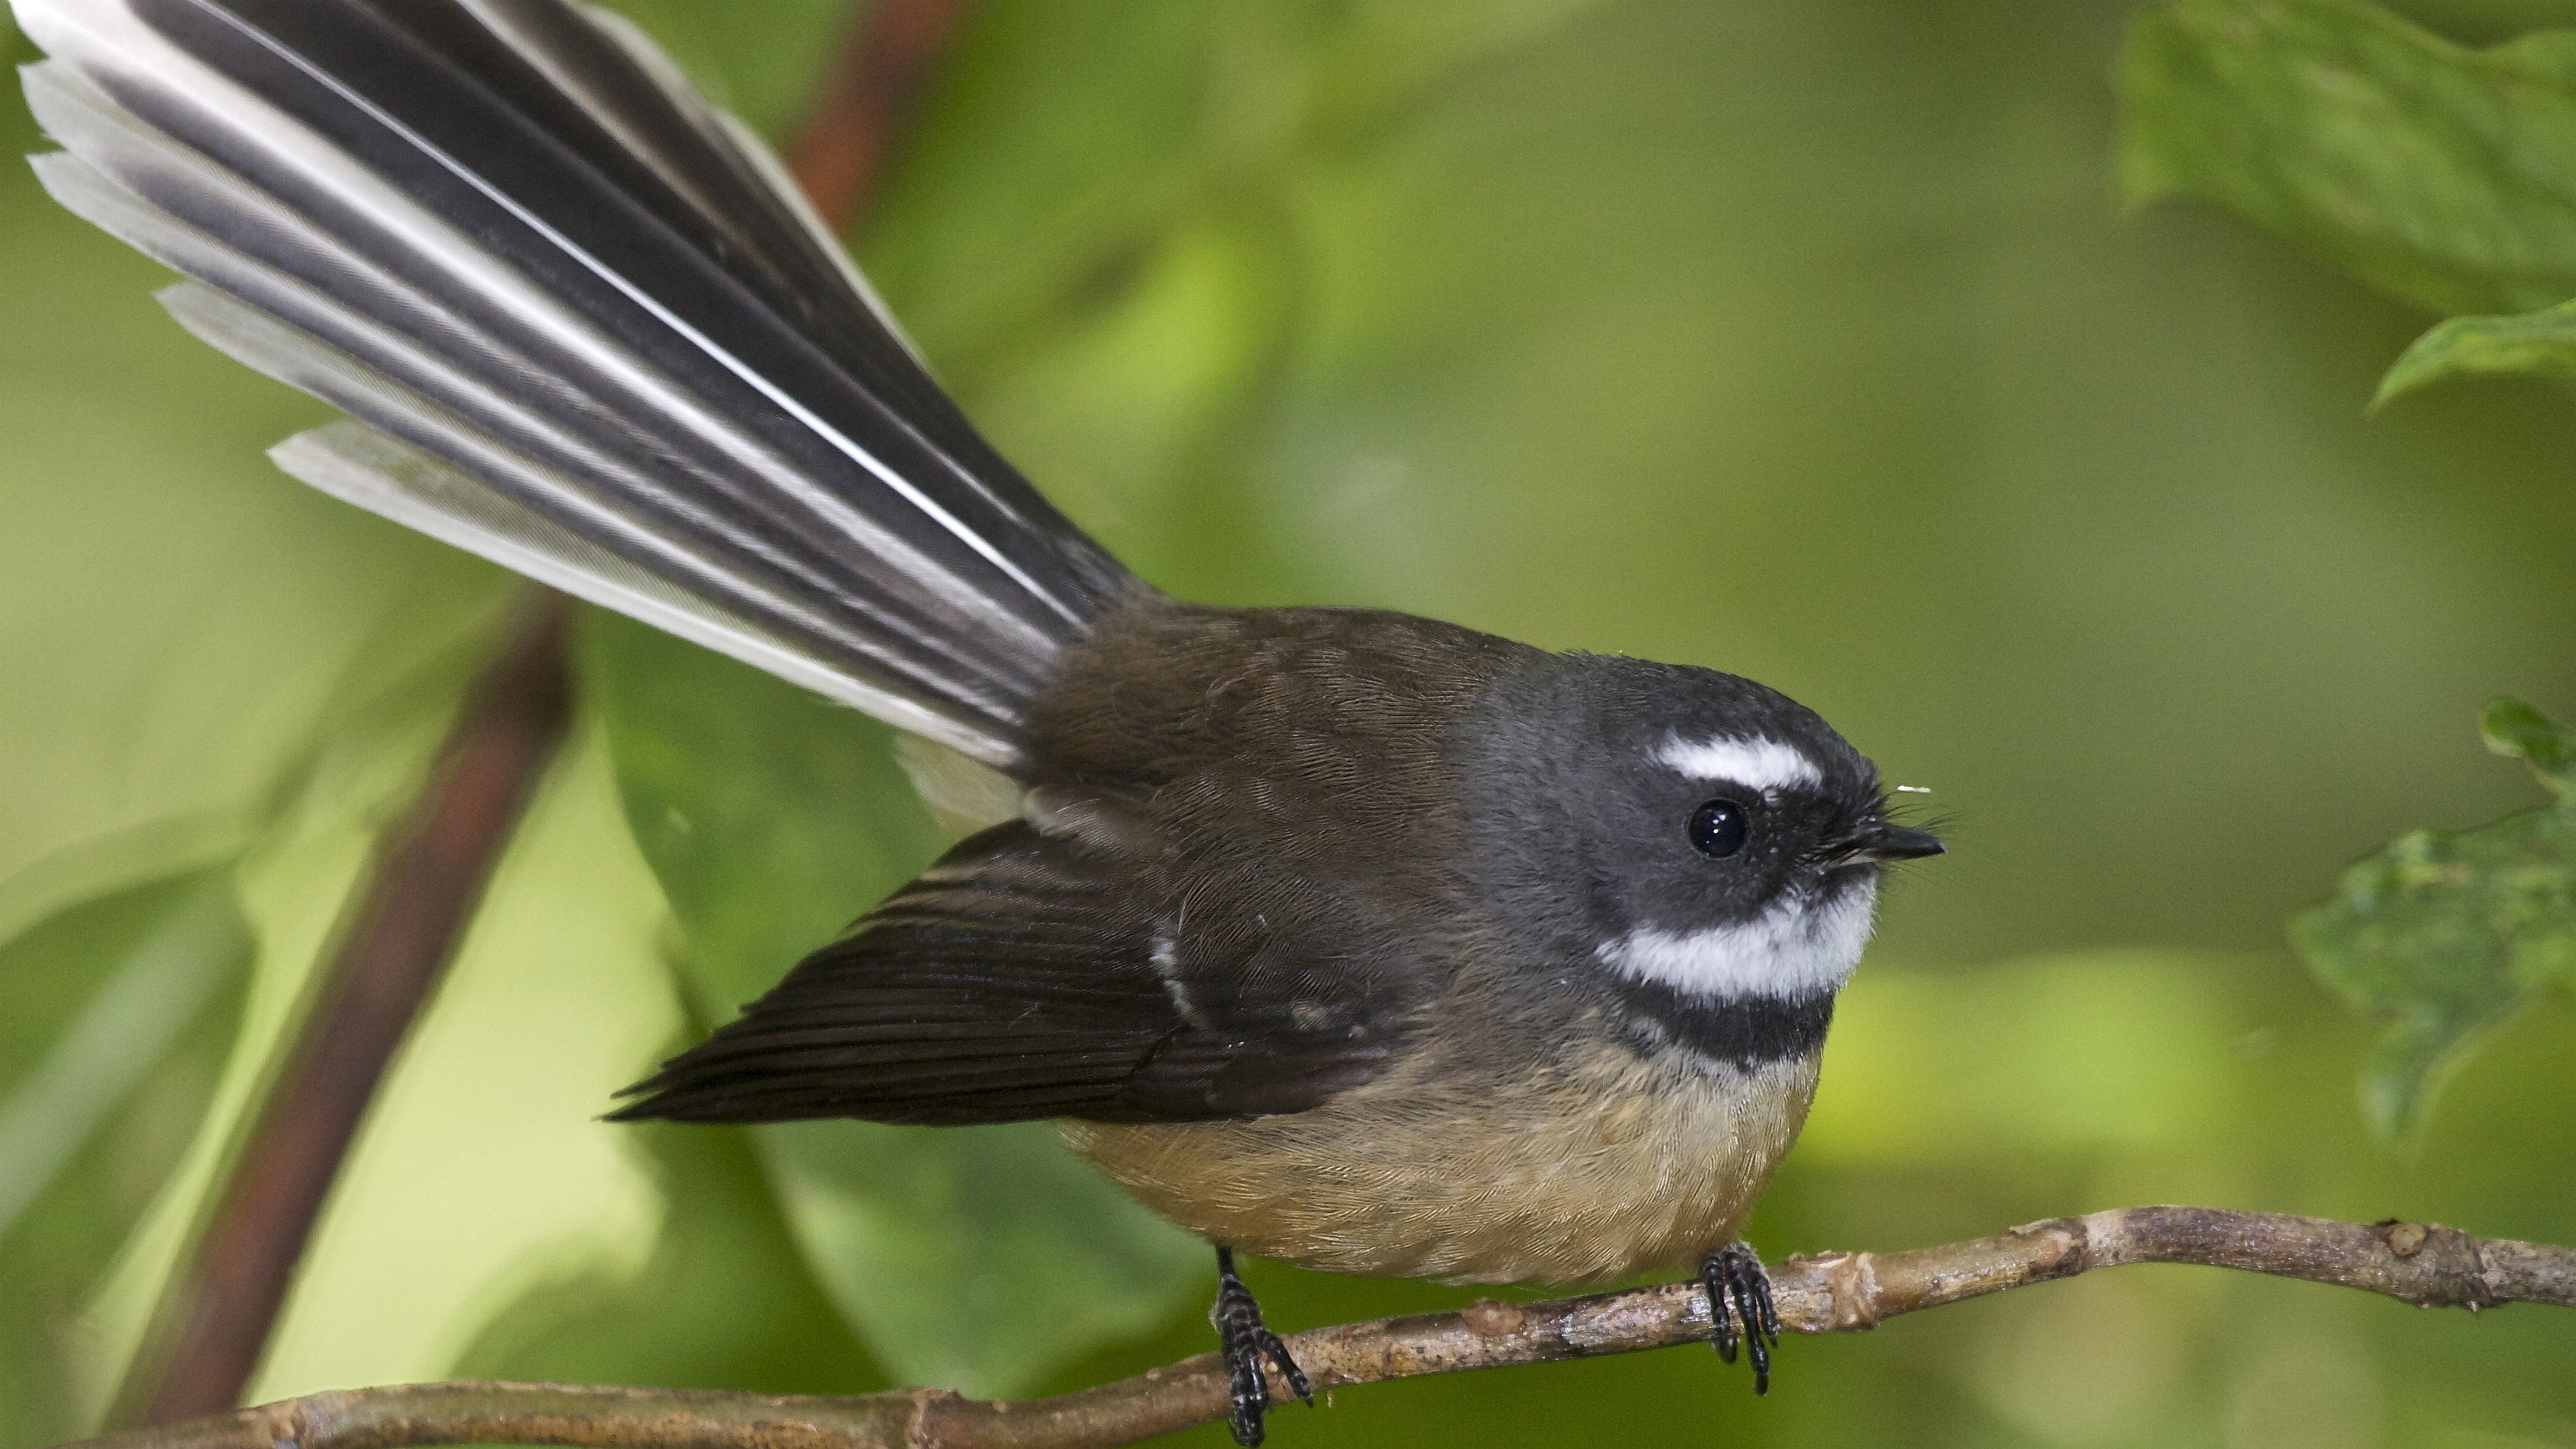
[[968, 1258], [115, 1019], [2445, 935], [725, 1301], [1061, 144], [2542, 343], [2517, 731], [977, 1258], [2443, 175], [378, 739]]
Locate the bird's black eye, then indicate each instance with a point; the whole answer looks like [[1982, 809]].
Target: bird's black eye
[[1717, 828]]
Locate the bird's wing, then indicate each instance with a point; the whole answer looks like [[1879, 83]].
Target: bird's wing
[[1026, 977]]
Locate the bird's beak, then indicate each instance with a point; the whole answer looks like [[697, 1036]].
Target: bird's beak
[[1897, 842]]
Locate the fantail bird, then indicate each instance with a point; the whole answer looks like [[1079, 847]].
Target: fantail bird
[[1347, 938]]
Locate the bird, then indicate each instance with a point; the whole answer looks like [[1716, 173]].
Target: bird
[[1341, 937]]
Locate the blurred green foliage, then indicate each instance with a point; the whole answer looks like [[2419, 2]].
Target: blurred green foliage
[[725, 1300], [2445, 176], [2447, 934], [1803, 340], [2441, 174], [2437, 173], [115, 1017], [2542, 343]]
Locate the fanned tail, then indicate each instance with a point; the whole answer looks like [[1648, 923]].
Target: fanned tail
[[586, 326]]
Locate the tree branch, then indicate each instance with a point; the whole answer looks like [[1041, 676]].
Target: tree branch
[[430, 871], [839, 154], [2420, 1263]]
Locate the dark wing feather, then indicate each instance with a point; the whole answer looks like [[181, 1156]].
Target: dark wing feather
[[1021, 978]]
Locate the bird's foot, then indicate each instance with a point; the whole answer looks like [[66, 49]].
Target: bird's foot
[[1739, 1303], [1246, 1341]]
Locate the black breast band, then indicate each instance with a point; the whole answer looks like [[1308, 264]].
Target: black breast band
[[1743, 1032]]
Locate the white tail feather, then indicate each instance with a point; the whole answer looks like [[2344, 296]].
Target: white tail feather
[[690, 457]]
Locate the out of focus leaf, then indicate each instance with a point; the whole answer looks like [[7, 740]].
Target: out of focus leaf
[[970, 1258], [482, 1167], [369, 747], [2444, 934], [2542, 343], [2444, 175], [115, 1018], [725, 1302], [1062, 142], [977, 1258], [2518, 731], [1138, 414], [771, 816]]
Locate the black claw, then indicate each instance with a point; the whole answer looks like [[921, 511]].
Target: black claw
[[1277, 1352], [1739, 1302], [1246, 1341]]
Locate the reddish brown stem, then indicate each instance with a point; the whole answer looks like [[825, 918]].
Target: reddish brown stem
[[432, 868], [840, 152]]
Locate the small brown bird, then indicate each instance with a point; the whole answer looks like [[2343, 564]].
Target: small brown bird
[[1346, 938]]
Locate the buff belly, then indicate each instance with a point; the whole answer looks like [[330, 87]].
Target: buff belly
[[1575, 1173]]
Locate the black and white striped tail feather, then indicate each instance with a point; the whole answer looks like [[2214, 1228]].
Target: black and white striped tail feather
[[589, 330]]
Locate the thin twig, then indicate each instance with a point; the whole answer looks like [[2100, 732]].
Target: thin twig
[[2421, 1263], [839, 154], [431, 872]]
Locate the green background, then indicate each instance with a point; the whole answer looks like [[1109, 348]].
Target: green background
[[1802, 340]]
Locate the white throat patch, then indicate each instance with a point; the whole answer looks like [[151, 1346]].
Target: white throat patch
[[1764, 764], [1795, 949]]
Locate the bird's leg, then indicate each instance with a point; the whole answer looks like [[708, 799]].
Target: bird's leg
[[1739, 1301], [1246, 1341]]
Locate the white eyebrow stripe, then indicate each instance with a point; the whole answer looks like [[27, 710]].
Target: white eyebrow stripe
[[1764, 764]]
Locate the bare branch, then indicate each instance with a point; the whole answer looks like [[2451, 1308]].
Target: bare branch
[[2420, 1263], [430, 871], [839, 154]]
